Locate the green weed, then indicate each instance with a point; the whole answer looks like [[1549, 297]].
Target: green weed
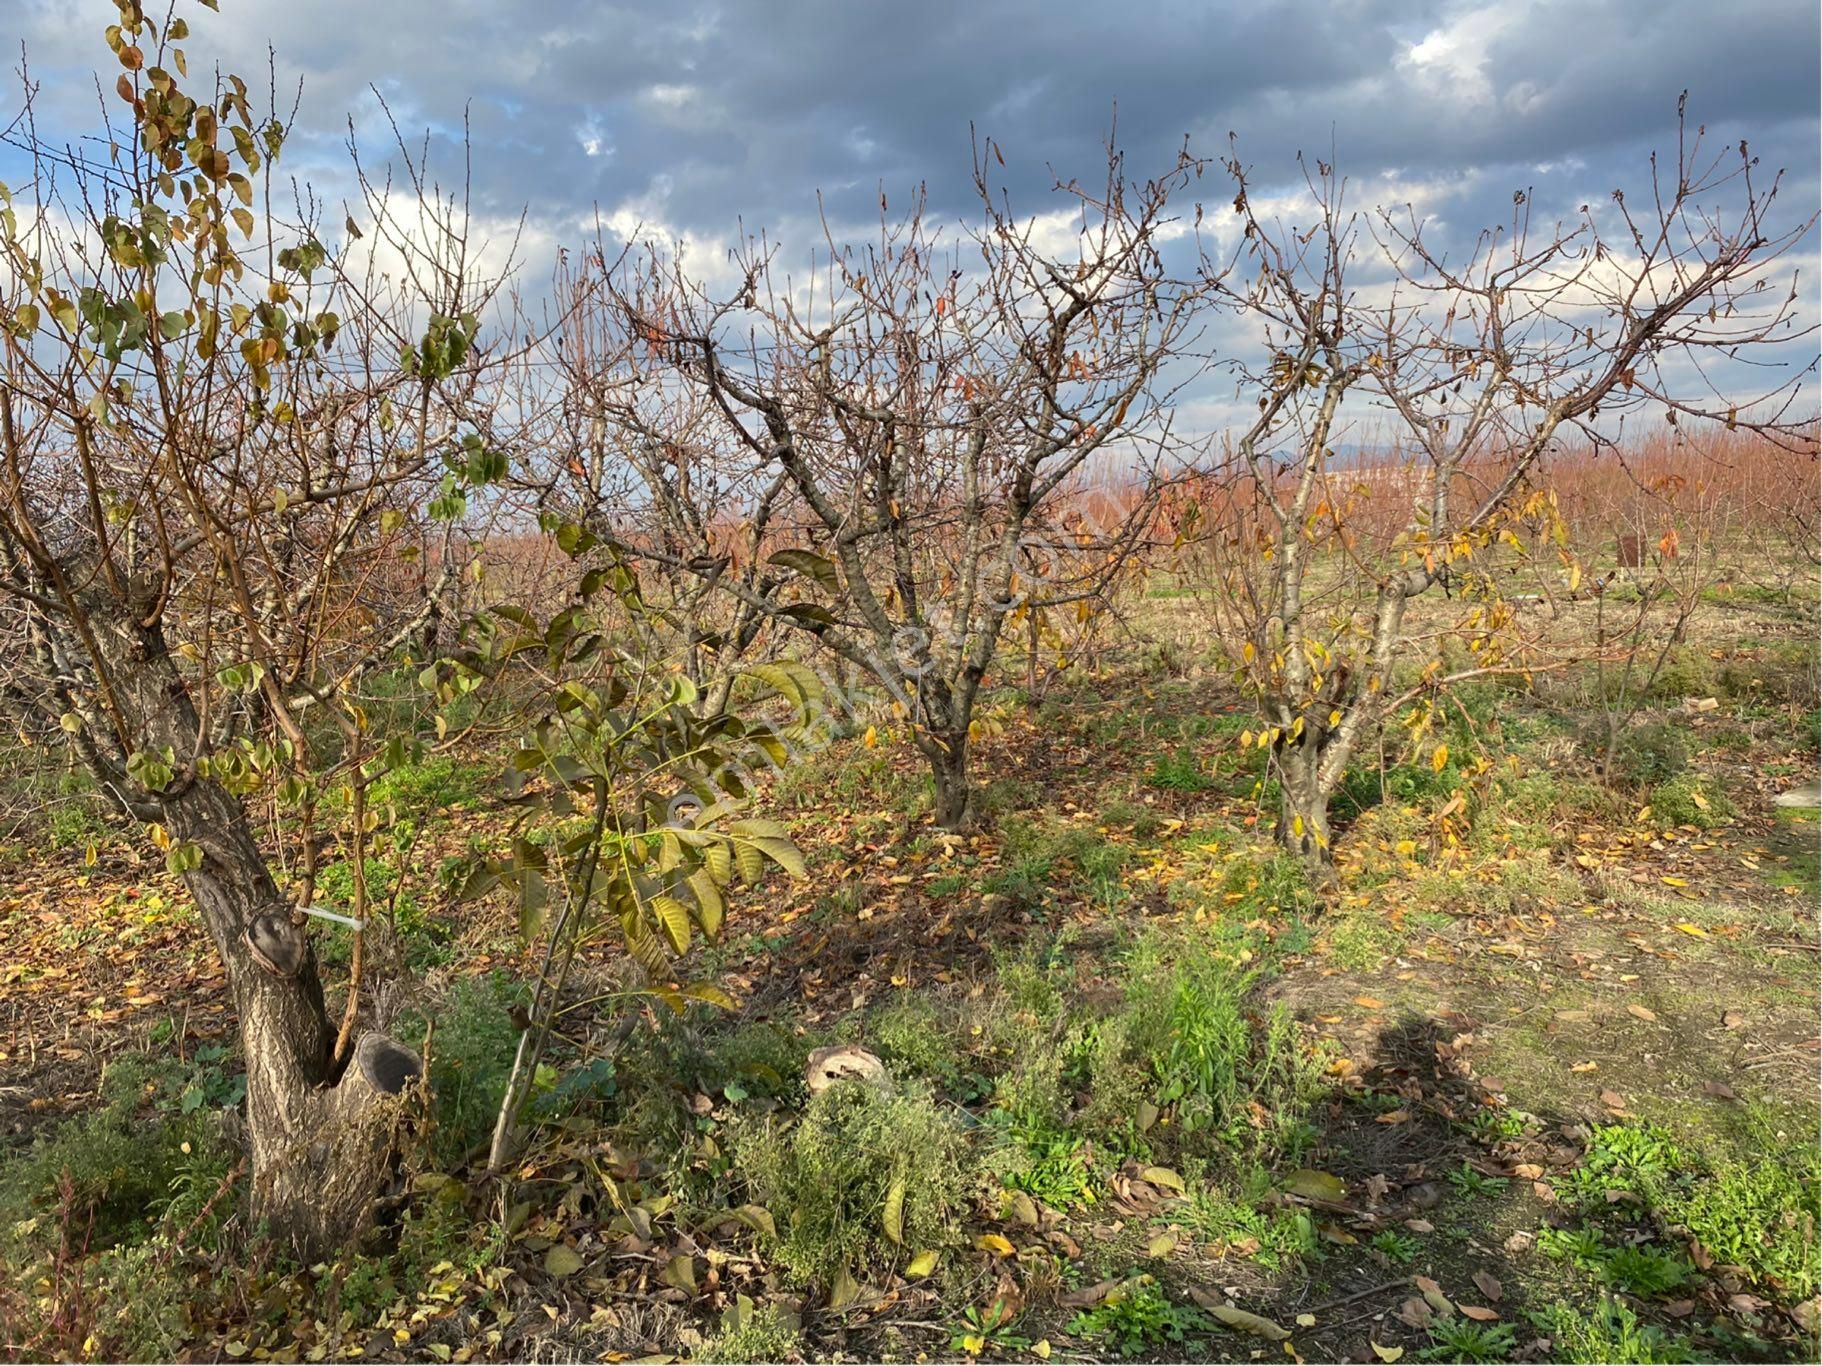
[[864, 1176], [1138, 1318]]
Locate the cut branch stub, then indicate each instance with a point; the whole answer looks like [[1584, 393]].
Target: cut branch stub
[[276, 944], [386, 1065]]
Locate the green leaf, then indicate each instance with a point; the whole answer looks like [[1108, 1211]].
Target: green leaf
[[562, 1260], [1315, 1185], [758, 1218], [810, 564], [680, 1272], [1163, 1176], [844, 1291]]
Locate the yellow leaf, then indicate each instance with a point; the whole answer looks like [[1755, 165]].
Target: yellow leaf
[[1387, 1354], [1676, 882], [1440, 759], [894, 1218], [871, 738], [1249, 1323], [994, 1243], [1246, 739], [1695, 930], [1297, 826], [921, 1265]]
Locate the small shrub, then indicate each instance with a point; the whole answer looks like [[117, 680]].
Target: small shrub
[[833, 1179], [1760, 1216], [1275, 1236], [909, 1035], [474, 1047], [1651, 754], [1185, 1036], [1644, 1270], [150, 1149], [1137, 1318], [1690, 799], [1610, 1332], [752, 1334], [1460, 1340]]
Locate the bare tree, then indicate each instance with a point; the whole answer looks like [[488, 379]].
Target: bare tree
[[884, 457], [1477, 368], [213, 427]]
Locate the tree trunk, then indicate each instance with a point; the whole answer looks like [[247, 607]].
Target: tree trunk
[[1303, 811], [948, 756], [322, 1145]]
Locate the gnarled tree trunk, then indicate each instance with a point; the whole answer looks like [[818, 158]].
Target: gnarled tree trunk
[[322, 1143]]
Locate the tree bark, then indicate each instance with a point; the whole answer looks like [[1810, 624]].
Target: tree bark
[[1303, 810], [954, 795], [321, 1144]]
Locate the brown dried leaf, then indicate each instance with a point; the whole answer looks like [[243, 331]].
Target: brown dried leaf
[[1642, 1012], [1489, 1286], [1479, 1313]]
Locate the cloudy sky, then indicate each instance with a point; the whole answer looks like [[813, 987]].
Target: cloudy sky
[[688, 115]]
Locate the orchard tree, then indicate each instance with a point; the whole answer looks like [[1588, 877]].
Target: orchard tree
[[887, 456], [214, 430], [1462, 374]]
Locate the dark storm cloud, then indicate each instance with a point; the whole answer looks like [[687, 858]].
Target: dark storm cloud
[[690, 117]]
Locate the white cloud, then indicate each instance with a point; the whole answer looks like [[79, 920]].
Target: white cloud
[[1451, 61]]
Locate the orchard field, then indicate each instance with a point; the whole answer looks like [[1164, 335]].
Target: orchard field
[[1155, 762]]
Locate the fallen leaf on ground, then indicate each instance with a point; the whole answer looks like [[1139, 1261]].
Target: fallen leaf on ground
[[1720, 1090], [1642, 1012], [1387, 1353], [562, 1260], [1369, 1003], [1489, 1286], [1090, 1295], [1315, 1185], [1249, 1323], [1613, 1100], [1478, 1312]]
